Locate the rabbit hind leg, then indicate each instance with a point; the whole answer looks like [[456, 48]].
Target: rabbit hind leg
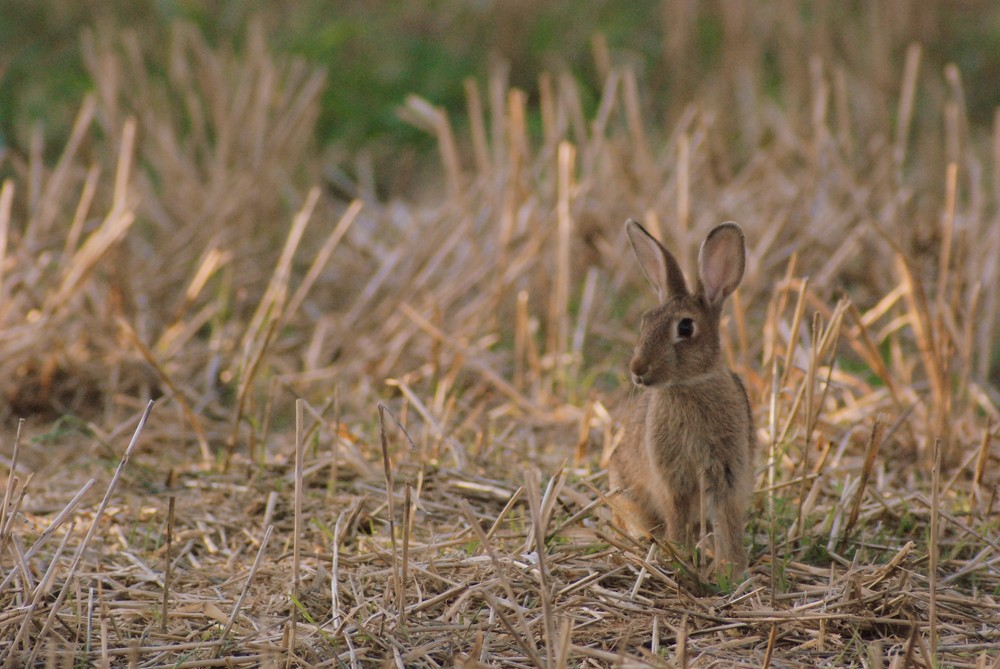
[[635, 516]]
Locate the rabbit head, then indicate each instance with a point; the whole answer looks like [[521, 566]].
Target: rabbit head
[[679, 338]]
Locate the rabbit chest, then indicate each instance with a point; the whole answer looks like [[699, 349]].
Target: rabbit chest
[[691, 434]]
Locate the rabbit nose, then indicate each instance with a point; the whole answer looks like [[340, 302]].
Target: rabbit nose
[[639, 369]]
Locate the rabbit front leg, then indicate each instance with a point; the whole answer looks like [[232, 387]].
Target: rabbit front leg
[[677, 515], [728, 530]]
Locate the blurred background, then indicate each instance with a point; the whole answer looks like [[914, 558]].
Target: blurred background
[[376, 53]]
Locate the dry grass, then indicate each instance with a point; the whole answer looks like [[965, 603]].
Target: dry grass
[[380, 426]]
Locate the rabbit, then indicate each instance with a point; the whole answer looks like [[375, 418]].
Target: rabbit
[[692, 427]]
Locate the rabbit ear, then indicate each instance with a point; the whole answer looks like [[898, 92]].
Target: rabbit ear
[[721, 262], [656, 262]]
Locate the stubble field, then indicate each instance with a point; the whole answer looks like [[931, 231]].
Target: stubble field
[[381, 423]]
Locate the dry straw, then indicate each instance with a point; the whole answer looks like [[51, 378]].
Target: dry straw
[[191, 252]]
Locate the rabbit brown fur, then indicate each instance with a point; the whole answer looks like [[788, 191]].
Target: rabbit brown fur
[[692, 426]]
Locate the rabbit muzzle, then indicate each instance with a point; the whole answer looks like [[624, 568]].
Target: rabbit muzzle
[[640, 370]]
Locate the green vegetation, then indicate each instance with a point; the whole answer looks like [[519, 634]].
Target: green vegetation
[[376, 55]]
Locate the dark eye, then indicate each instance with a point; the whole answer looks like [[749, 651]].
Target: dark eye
[[685, 328]]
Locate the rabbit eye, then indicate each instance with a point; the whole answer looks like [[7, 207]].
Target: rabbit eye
[[685, 328]]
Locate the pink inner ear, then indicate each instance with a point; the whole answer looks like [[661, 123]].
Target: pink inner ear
[[721, 264], [717, 277], [653, 266], [656, 263]]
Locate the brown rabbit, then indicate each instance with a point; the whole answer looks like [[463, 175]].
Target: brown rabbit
[[693, 425]]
